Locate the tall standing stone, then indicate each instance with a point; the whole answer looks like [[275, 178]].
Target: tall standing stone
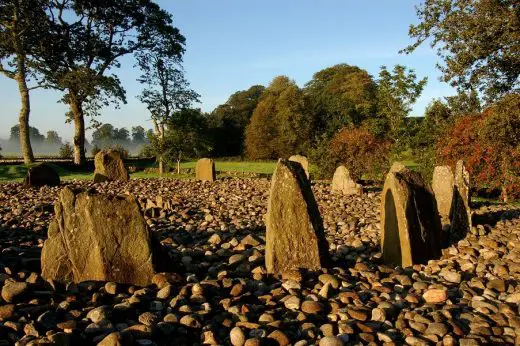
[[302, 160], [443, 184], [99, 237], [461, 212], [41, 174], [410, 224], [109, 166], [343, 183], [205, 170], [294, 229]]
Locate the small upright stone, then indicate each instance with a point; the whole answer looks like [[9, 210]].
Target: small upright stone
[[343, 183], [41, 174], [302, 160], [109, 167], [410, 223], [294, 228], [461, 212], [443, 187], [397, 167], [205, 170]]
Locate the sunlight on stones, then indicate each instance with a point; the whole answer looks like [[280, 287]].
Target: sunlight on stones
[[294, 228], [205, 170], [411, 228], [109, 167]]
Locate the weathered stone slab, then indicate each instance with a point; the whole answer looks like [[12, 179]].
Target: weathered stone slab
[[410, 224], [205, 170], [99, 237], [443, 187], [461, 211], [294, 228], [398, 167], [109, 166], [40, 175], [343, 183], [302, 160]]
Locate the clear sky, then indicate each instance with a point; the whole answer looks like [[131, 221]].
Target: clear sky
[[233, 44]]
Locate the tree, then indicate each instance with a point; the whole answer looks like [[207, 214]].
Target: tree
[[185, 136], [53, 138], [477, 40], [279, 122], [228, 121], [34, 134], [338, 96], [89, 39], [22, 32], [397, 91], [121, 136], [167, 91], [103, 136], [138, 135], [464, 103]]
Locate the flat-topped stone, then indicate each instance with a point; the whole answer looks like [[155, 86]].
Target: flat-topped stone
[[205, 170], [99, 237]]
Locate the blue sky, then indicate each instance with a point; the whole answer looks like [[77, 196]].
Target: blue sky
[[233, 44]]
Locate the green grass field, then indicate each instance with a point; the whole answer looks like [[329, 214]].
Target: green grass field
[[16, 173]]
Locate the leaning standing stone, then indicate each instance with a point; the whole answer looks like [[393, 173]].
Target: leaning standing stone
[[99, 237], [109, 167], [410, 224], [461, 212], [443, 187], [41, 174], [343, 183], [302, 160], [294, 228], [205, 170]]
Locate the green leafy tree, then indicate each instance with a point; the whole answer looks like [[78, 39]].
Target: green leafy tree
[[34, 134], [185, 136], [89, 40], [229, 121], [66, 151], [23, 31], [279, 122], [138, 135], [397, 91], [477, 41], [53, 138], [166, 92], [338, 96], [464, 103], [103, 136]]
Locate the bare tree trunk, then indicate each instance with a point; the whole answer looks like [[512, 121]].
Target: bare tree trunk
[[161, 159], [23, 118], [79, 131]]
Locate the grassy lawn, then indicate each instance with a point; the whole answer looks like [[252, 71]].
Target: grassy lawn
[[16, 173]]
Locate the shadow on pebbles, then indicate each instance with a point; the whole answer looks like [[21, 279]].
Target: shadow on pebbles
[[220, 292]]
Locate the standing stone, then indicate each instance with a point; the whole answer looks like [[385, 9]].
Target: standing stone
[[41, 174], [398, 167], [302, 160], [410, 224], [461, 212], [294, 228], [109, 167], [205, 170], [343, 183], [99, 237], [443, 187]]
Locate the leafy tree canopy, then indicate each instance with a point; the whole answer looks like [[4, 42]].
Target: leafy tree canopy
[[477, 40]]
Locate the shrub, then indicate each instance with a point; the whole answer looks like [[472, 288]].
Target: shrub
[[358, 149], [66, 151], [489, 144]]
